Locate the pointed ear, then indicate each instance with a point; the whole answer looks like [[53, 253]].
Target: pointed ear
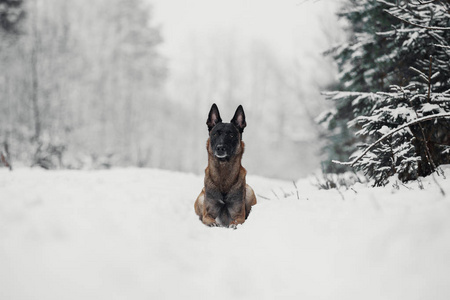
[[239, 119], [213, 117]]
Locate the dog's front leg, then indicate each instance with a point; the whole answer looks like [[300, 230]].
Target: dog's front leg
[[238, 218], [209, 221], [237, 206], [211, 208], [201, 211], [209, 215]]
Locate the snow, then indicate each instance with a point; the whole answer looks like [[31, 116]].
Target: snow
[[428, 108], [412, 38], [133, 234], [401, 111], [384, 130]]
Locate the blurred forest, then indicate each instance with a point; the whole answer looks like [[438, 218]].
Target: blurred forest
[[80, 82], [85, 85]]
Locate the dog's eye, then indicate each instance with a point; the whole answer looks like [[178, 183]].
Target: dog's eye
[[231, 135]]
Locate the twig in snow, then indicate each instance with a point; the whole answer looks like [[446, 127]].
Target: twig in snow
[[340, 193], [420, 183], [437, 183], [395, 185], [409, 188], [285, 195], [296, 189], [261, 196], [275, 194]]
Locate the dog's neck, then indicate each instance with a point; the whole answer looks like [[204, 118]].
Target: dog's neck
[[224, 174]]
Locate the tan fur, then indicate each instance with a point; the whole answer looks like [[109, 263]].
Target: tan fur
[[225, 177]]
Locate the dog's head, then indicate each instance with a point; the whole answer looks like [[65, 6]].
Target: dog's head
[[225, 138]]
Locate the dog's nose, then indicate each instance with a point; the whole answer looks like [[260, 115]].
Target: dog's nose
[[221, 148]]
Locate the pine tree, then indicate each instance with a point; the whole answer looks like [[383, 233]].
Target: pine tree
[[359, 71], [395, 69]]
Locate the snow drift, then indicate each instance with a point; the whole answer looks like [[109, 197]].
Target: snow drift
[[133, 234]]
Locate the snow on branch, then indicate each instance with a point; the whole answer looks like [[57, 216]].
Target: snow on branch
[[419, 120], [425, 2], [420, 73], [336, 95], [414, 24], [386, 3]]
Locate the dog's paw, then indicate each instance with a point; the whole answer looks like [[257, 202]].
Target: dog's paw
[[213, 225], [233, 226]]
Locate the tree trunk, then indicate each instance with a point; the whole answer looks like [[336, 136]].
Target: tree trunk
[[34, 74]]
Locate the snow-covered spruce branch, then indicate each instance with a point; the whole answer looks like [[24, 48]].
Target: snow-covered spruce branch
[[393, 4], [417, 25], [425, 2], [336, 95], [442, 46], [386, 3], [419, 120]]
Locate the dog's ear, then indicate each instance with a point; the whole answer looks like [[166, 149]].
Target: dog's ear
[[239, 119], [213, 117]]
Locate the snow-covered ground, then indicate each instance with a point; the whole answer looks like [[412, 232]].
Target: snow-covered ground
[[133, 234]]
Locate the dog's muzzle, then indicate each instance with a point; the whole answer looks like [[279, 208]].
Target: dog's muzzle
[[221, 152]]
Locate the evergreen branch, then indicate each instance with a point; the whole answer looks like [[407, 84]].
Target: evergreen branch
[[386, 3], [440, 101], [438, 38], [427, 2], [336, 95], [420, 73], [416, 25], [442, 46], [395, 31], [416, 121], [441, 97]]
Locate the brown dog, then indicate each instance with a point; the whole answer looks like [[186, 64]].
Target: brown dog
[[226, 200]]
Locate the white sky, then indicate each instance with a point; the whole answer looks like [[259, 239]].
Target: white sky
[[279, 22]]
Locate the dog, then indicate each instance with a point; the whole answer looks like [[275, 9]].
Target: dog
[[226, 199]]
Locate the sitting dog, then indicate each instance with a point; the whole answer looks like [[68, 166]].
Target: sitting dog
[[226, 199]]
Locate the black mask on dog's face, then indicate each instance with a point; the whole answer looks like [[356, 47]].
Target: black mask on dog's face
[[225, 137]]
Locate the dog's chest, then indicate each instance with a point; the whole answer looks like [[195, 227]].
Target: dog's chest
[[233, 197], [216, 197]]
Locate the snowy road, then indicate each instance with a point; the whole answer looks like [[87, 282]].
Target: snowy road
[[133, 234]]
